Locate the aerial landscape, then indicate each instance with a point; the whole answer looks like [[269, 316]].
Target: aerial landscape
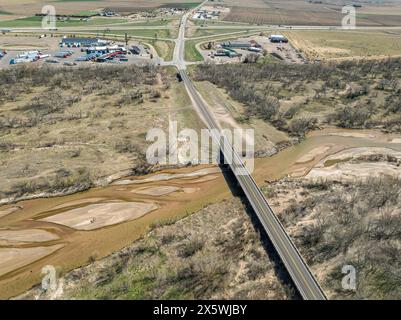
[[200, 150]]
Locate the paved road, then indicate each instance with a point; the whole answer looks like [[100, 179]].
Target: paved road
[[305, 282], [242, 27]]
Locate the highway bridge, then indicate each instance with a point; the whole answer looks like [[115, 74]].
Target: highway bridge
[[299, 271]]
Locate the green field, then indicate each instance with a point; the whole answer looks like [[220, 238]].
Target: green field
[[37, 22], [156, 34], [90, 22], [183, 5], [215, 32], [191, 53], [162, 33], [23, 22], [86, 13], [151, 22]]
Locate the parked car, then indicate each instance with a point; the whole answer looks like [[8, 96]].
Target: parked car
[[52, 61], [79, 59], [61, 55]]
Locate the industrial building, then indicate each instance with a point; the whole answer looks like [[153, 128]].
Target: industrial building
[[82, 42], [226, 53], [237, 44], [204, 15], [100, 50]]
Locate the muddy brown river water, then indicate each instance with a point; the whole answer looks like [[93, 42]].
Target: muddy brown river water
[[70, 231]]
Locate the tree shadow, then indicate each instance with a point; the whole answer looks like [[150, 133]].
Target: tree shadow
[[279, 268]]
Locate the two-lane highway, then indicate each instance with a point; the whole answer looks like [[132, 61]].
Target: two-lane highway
[[300, 273]]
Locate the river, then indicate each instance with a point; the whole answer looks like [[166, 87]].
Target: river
[[70, 231]]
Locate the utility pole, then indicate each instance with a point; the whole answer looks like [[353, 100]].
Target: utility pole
[[126, 39]]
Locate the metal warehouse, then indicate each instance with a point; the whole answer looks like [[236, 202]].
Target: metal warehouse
[[82, 42], [236, 44]]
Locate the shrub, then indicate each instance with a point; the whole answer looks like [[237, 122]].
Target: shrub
[[347, 117], [190, 247], [300, 126]]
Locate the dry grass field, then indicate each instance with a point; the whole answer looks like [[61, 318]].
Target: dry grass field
[[300, 12], [165, 49], [78, 127], [329, 45]]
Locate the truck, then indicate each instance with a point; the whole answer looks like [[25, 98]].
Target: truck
[[29, 55], [62, 54], [20, 60], [255, 49]]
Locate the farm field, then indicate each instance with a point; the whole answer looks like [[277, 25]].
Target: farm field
[[215, 23], [37, 22], [153, 22], [154, 34], [329, 45], [30, 7], [300, 12]]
